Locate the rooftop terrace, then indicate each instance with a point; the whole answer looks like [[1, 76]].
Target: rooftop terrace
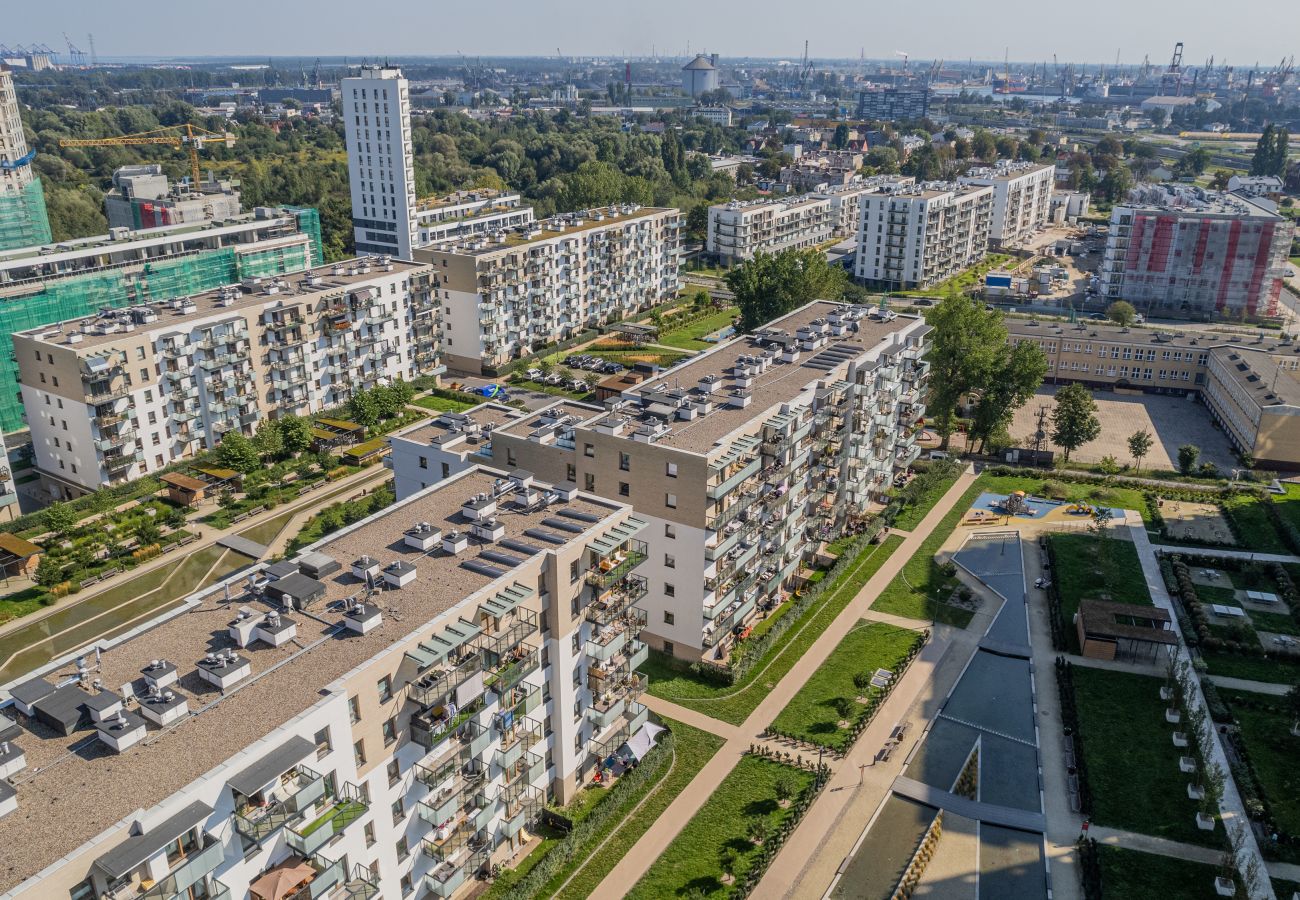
[[556, 227]]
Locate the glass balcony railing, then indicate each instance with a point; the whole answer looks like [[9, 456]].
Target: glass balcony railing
[[295, 794], [433, 726], [521, 663], [436, 685], [612, 601], [335, 814], [193, 869], [609, 570]]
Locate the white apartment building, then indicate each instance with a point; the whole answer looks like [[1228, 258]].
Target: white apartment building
[[915, 236], [117, 395], [741, 461], [385, 715], [506, 294], [464, 214], [741, 228], [381, 166], [846, 200], [1022, 197]]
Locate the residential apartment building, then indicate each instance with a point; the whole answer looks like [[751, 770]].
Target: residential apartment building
[[143, 198], [385, 715], [43, 285], [464, 214], [742, 228], [916, 235], [23, 220], [1250, 385], [1185, 252], [891, 104], [1022, 198], [381, 162], [846, 200], [506, 294], [741, 461], [114, 396], [8, 489]]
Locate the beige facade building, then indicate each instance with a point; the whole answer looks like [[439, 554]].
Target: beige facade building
[[508, 293], [385, 715], [740, 229], [742, 460], [111, 397]]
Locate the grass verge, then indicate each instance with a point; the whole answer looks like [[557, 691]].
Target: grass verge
[[1083, 572], [1132, 875], [1273, 750]]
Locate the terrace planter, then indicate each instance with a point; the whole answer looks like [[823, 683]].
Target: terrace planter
[[1225, 887], [1204, 822], [1180, 739], [1195, 792], [1186, 764], [1173, 716], [1166, 694]]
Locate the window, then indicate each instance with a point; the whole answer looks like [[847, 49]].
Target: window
[[359, 751], [385, 688], [510, 457], [85, 890], [669, 590], [570, 472], [589, 482], [394, 772], [573, 571], [668, 647], [323, 744], [354, 710], [390, 731], [624, 462], [446, 470], [670, 531], [669, 618], [670, 561], [424, 462], [370, 834], [407, 884], [588, 450], [399, 813], [624, 489], [670, 501]]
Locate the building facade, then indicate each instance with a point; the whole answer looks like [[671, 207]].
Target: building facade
[[290, 727], [23, 220], [700, 75], [465, 214], [1022, 198], [506, 294], [381, 162], [112, 397], [1184, 252], [891, 104], [914, 236], [741, 228], [742, 461], [142, 198]]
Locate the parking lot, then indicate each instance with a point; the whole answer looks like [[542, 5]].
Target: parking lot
[[1172, 421]]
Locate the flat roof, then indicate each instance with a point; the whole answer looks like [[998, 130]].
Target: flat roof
[[1092, 331], [53, 816], [294, 289], [582, 412], [446, 426], [542, 230], [780, 383], [1263, 380]]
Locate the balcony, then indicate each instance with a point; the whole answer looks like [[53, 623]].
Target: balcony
[[608, 743], [444, 879], [512, 669], [361, 885], [520, 735], [337, 814], [194, 868], [610, 705], [328, 876], [609, 569], [120, 463], [450, 788], [433, 725], [739, 472], [613, 601], [258, 817]]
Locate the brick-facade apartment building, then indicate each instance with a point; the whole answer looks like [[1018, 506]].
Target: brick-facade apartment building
[[1185, 252], [117, 395], [915, 235], [385, 715], [741, 461]]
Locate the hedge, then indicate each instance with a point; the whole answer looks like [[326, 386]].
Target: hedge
[[1070, 727]]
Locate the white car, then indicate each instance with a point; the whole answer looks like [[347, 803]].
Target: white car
[[534, 375]]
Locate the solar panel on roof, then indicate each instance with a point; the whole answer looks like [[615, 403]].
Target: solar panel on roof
[[482, 568]]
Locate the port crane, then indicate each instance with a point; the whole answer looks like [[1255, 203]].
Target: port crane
[[187, 137]]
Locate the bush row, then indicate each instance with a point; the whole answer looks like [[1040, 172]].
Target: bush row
[[1283, 526], [1185, 590], [1055, 616], [1090, 868], [1191, 601], [1070, 725]]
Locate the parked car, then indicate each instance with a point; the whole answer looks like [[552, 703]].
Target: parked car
[[579, 385], [534, 375], [612, 368], [555, 378]]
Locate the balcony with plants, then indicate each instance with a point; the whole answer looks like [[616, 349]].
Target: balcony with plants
[[285, 801], [610, 602], [329, 817], [610, 567]]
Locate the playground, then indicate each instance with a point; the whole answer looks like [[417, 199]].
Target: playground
[[994, 509]]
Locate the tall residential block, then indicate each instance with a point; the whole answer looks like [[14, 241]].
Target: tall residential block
[[385, 715], [914, 236], [43, 285], [1186, 252], [1022, 197], [23, 221], [891, 104], [509, 293], [742, 461], [381, 163], [741, 228], [113, 396]]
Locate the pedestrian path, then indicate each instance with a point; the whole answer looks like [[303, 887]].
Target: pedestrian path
[[1228, 554], [656, 839], [1258, 687]]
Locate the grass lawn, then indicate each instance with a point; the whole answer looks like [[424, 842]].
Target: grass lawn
[[689, 337], [1283, 889], [550, 389], [1115, 496], [1278, 623], [1132, 762], [690, 864], [919, 590], [1252, 668], [1273, 751], [1253, 523], [1134, 875], [1080, 574], [734, 703], [264, 532], [579, 878], [962, 281], [911, 516], [812, 713], [1289, 504], [442, 404]]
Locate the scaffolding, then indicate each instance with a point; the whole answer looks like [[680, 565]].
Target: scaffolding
[[57, 300], [23, 221]]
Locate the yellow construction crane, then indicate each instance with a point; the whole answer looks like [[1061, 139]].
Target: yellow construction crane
[[187, 137]]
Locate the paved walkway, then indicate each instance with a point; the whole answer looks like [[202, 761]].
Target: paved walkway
[[1258, 687], [642, 855], [1226, 553]]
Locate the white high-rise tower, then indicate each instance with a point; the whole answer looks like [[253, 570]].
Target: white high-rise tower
[[381, 169]]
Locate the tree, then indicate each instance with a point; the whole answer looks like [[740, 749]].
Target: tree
[[236, 452], [48, 573], [771, 285], [402, 392], [364, 408], [1122, 313], [784, 789], [60, 519], [591, 380], [1188, 454], [1221, 179], [1015, 375], [840, 139], [758, 830], [295, 434], [727, 864], [967, 345], [1074, 420], [147, 532], [267, 440], [1158, 116], [1139, 445], [1270, 156], [862, 681]]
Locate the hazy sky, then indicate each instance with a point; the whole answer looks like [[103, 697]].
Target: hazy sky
[[1254, 30]]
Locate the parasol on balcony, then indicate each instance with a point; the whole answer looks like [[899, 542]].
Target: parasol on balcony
[[283, 880]]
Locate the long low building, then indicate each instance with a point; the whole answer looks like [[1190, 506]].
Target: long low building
[[385, 715], [126, 392], [1249, 383]]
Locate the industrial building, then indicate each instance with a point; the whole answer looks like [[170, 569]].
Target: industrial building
[[387, 714], [381, 163], [509, 293], [47, 284], [1022, 198], [700, 75], [1185, 252], [889, 104], [915, 235], [1251, 387], [142, 198], [113, 396], [23, 220], [742, 460]]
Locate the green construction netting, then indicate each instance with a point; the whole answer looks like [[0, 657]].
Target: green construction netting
[[23, 222]]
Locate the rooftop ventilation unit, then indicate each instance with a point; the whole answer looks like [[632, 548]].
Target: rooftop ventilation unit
[[422, 536], [481, 506], [224, 669], [488, 530], [455, 542], [361, 618]]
